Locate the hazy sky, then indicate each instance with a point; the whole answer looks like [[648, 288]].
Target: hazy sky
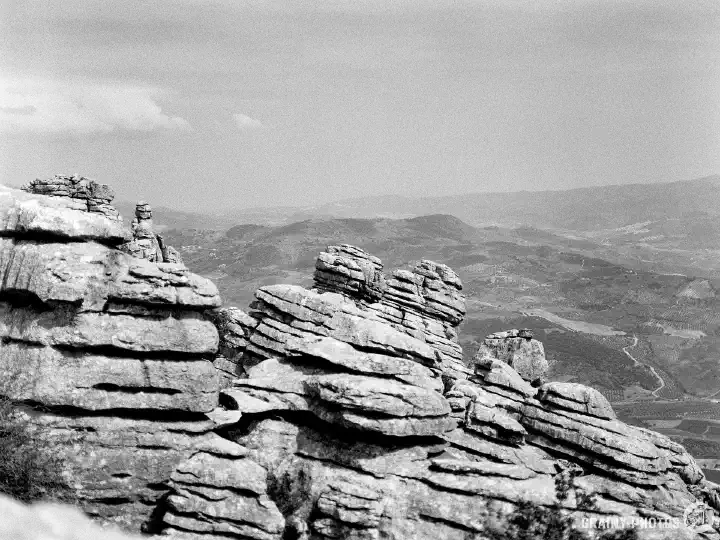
[[202, 104]]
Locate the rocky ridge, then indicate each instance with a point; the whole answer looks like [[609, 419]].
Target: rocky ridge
[[345, 410]]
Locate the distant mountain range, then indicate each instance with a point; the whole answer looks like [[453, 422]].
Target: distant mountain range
[[578, 209], [582, 209]]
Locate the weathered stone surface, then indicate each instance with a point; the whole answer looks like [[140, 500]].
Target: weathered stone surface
[[234, 327], [218, 494], [610, 445], [350, 270], [453, 446], [161, 331], [346, 414], [118, 464], [308, 313], [499, 379], [576, 397], [95, 197], [344, 356], [111, 354], [23, 215], [92, 274], [378, 396], [519, 350], [97, 382]]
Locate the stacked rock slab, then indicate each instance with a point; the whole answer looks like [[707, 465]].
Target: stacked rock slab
[[146, 244], [519, 350], [111, 355], [425, 302], [95, 197], [351, 271], [363, 430]]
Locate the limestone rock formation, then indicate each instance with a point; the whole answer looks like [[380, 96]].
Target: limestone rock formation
[[519, 350], [424, 302], [340, 412], [111, 355], [350, 270], [365, 426], [95, 197], [56, 217], [146, 244]]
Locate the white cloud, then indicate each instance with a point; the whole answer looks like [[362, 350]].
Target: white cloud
[[243, 121], [47, 106]]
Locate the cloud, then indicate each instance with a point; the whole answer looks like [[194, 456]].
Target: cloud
[[48, 106], [243, 121]]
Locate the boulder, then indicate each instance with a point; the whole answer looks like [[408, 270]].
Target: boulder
[[519, 350]]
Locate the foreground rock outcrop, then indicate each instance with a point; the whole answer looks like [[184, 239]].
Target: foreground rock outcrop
[[111, 355], [339, 412]]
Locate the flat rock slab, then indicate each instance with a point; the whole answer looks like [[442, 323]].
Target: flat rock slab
[[180, 332], [24, 214], [340, 355], [95, 382], [91, 274], [577, 397], [373, 395]]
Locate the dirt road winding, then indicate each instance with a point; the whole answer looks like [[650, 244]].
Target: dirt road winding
[[637, 363]]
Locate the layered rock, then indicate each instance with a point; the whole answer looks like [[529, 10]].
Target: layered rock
[[95, 198], [111, 355], [519, 350], [368, 429], [351, 271], [146, 244], [56, 217], [424, 302]]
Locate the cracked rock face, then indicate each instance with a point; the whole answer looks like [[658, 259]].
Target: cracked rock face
[[112, 355]]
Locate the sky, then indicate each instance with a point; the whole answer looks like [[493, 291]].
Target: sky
[[211, 105]]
